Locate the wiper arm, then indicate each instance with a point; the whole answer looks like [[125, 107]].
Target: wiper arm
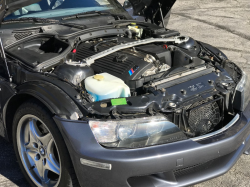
[[31, 19], [83, 14]]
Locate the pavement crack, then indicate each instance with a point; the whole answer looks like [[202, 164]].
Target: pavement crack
[[235, 50], [242, 35], [212, 9]]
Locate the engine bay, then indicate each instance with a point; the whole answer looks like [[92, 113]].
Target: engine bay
[[137, 71]]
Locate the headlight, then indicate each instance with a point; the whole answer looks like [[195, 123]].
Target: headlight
[[242, 96], [134, 133]]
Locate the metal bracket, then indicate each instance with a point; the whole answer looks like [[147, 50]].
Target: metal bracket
[[177, 40]]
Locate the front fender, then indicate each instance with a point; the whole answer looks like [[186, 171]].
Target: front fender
[[57, 101]]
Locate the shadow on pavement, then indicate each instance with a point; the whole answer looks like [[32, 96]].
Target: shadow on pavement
[[10, 173]]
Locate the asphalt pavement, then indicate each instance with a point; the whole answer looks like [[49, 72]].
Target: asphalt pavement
[[222, 23]]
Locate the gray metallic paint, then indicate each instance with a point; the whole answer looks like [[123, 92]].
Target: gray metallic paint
[[128, 163], [55, 99]]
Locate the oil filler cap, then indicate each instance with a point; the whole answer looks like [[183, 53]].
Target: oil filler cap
[[98, 77]]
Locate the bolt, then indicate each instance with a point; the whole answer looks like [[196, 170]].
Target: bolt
[[210, 81], [163, 91], [225, 84], [78, 97], [104, 105], [172, 105], [183, 92]]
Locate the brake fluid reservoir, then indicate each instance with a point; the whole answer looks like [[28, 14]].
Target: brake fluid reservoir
[[105, 86], [136, 29]]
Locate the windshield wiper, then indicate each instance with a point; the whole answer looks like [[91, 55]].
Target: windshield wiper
[[83, 14], [31, 19]]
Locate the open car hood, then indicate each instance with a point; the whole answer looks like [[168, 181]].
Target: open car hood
[[9, 6], [150, 8]]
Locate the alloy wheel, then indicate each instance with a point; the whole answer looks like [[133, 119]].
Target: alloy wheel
[[38, 151]]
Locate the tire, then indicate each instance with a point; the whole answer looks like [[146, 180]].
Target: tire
[[40, 148]]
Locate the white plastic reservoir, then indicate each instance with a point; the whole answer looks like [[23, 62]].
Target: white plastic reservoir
[[105, 86]]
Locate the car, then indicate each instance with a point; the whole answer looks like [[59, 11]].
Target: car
[[92, 97]]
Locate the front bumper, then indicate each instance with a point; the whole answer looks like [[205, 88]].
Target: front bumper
[[176, 164]]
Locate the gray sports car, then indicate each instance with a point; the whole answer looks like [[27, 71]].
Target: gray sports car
[[92, 97]]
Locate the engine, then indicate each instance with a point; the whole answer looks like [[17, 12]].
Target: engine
[[168, 76], [127, 64]]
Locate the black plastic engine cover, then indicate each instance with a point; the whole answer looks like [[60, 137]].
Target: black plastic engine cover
[[183, 94], [120, 64]]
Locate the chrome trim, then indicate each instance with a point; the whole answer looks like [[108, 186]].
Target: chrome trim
[[230, 124]]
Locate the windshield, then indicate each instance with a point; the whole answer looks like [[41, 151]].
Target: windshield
[[62, 8]]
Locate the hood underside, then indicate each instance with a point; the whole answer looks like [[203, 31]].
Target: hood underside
[[150, 9]]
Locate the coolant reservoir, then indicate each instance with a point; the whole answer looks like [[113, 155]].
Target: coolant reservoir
[[105, 86]]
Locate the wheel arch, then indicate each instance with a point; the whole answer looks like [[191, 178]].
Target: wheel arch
[[48, 95]]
